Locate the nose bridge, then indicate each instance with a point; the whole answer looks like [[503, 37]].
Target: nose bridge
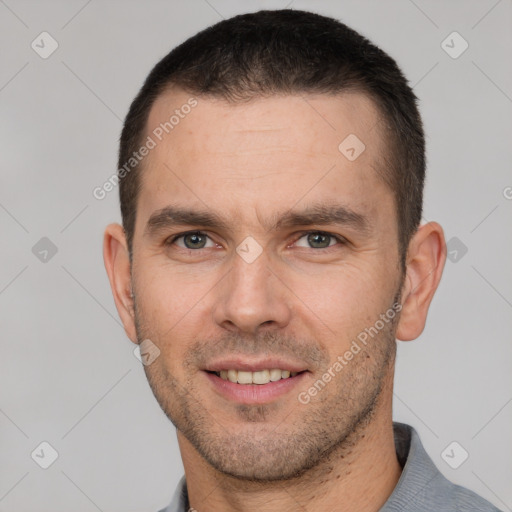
[[251, 294]]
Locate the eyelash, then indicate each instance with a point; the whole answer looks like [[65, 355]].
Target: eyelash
[[341, 241]]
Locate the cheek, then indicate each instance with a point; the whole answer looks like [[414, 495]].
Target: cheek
[[168, 294], [172, 310], [342, 301]]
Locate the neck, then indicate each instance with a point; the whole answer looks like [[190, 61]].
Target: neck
[[359, 475]]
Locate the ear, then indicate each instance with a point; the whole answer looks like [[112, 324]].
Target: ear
[[426, 257], [117, 263]]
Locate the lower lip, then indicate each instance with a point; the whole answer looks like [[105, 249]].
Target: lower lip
[[254, 393]]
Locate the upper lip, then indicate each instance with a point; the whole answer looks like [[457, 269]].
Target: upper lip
[[247, 364]]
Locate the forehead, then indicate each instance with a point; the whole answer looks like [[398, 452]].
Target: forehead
[[264, 155]]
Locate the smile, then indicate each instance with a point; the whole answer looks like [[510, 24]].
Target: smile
[[255, 387]]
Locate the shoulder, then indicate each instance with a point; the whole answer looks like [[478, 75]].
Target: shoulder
[[422, 487], [453, 497]]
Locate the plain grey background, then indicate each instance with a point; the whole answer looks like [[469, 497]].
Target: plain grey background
[[68, 374]]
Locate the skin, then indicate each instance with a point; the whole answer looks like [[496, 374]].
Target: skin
[[251, 163]]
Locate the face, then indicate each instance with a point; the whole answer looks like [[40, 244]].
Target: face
[[262, 255]]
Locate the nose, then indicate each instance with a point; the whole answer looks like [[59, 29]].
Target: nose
[[252, 297]]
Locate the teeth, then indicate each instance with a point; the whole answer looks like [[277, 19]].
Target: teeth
[[260, 377], [244, 377], [275, 375]]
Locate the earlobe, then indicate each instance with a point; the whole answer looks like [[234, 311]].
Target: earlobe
[[425, 263], [117, 264]]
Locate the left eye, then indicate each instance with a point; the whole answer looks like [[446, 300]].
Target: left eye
[[318, 240]]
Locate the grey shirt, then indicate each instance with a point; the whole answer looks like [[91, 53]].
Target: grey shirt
[[421, 488]]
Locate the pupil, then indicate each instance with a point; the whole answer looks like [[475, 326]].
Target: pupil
[[195, 239], [318, 238]]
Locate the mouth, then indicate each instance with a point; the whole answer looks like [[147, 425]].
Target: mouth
[[244, 381]]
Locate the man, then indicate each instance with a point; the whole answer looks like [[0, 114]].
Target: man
[[271, 172]]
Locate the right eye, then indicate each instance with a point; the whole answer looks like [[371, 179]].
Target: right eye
[[192, 240]]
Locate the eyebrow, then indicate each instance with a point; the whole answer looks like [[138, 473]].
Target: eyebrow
[[316, 214]]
